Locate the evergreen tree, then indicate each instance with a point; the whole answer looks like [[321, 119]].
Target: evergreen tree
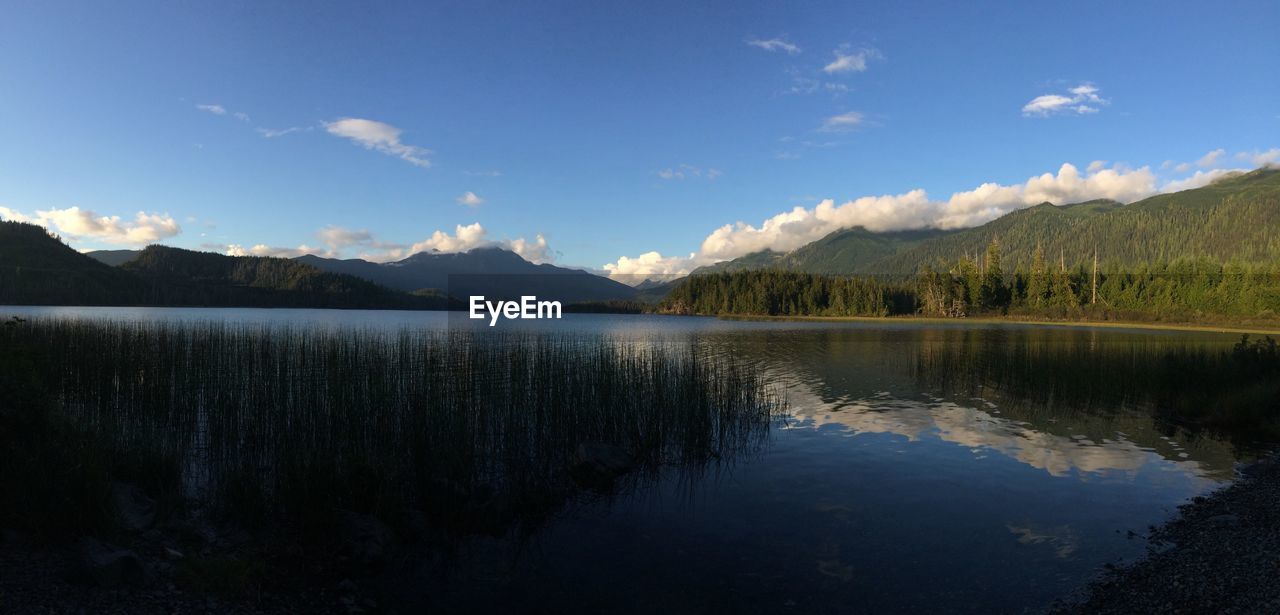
[[994, 295], [1038, 282]]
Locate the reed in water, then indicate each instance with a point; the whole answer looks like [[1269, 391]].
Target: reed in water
[[285, 425]]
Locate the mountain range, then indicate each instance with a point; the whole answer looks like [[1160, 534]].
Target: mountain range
[[37, 268], [488, 271], [491, 272], [1235, 218]]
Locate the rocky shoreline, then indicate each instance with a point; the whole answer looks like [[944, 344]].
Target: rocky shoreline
[[1220, 555]]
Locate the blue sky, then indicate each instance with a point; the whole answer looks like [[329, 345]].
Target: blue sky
[[592, 131]]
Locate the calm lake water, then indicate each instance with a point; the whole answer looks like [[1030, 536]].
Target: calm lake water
[[903, 478]]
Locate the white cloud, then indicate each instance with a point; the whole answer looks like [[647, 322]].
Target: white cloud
[[775, 44], [470, 199], [649, 263], [1082, 100], [272, 133], [378, 136], [850, 60], [243, 117], [13, 215], [909, 210], [214, 109], [1211, 159], [687, 171], [337, 238], [1261, 158], [338, 242], [77, 225], [807, 85], [535, 251], [261, 249], [489, 173], [464, 238], [1201, 178], [843, 122]]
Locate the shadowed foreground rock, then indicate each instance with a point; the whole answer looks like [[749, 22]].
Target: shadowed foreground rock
[[1221, 555]]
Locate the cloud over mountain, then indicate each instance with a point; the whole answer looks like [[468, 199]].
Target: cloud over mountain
[[340, 242], [84, 224], [908, 210]]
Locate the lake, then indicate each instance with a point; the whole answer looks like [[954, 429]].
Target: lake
[[918, 466]]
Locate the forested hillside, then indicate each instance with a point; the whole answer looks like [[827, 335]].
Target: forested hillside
[[37, 268], [184, 277], [1235, 218], [1184, 290]]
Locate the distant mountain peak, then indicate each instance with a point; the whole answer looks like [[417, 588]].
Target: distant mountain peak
[[487, 270]]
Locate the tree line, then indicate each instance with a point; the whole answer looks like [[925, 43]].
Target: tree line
[[784, 293], [1187, 289]]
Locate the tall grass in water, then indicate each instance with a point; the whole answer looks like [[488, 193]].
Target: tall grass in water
[[280, 424]]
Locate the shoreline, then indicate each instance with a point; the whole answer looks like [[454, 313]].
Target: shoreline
[[1219, 554], [1101, 324], [1250, 329]]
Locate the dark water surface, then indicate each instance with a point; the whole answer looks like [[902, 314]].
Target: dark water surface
[[920, 467]]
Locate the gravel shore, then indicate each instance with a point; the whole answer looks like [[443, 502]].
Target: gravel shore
[[1220, 555]]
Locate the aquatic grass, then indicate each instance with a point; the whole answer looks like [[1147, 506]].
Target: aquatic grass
[[269, 425]]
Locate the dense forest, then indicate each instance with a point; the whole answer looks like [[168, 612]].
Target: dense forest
[[37, 268], [1190, 289], [1232, 219], [1210, 253], [785, 293]]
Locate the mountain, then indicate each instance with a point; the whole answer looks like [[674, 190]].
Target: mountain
[[1234, 218], [37, 268], [114, 258], [654, 291], [649, 283], [844, 251], [853, 249], [491, 272], [764, 259], [184, 277]]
